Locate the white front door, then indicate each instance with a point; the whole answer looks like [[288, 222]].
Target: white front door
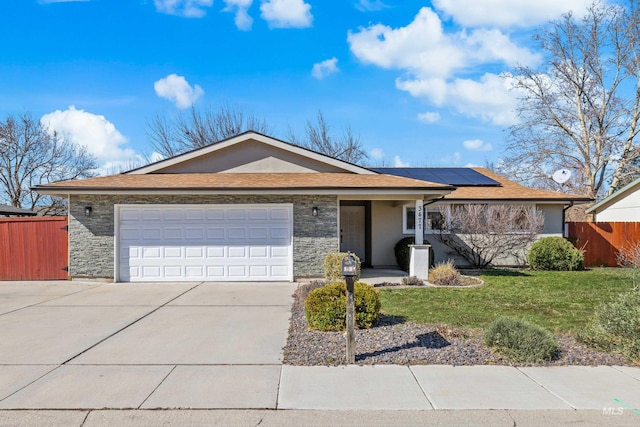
[[204, 242], [352, 230]]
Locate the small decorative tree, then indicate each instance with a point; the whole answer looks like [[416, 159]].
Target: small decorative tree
[[480, 233]]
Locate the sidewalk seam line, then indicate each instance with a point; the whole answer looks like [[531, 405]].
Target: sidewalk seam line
[[278, 392], [27, 385], [84, 421], [130, 324], [623, 372], [424, 393], [49, 300], [158, 386], [545, 388]]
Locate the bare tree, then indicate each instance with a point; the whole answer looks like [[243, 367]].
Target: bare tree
[[481, 233], [580, 109], [318, 137], [31, 155], [200, 128]]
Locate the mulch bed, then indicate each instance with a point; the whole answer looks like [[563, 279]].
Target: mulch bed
[[394, 341]]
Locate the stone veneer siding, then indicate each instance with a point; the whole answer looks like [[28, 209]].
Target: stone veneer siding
[[91, 239]]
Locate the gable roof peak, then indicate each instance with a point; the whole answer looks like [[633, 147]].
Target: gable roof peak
[[249, 135]]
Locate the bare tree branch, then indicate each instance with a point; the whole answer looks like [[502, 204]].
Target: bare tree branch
[[200, 128], [575, 111], [347, 146], [480, 233], [31, 155]]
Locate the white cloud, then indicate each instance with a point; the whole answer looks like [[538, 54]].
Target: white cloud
[[97, 134], [429, 117], [491, 98], [184, 8], [477, 145], [242, 19], [452, 159], [370, 5], [377, 154], [286, 13], [431, 57], [521, 13], [176, 89], [398, 163], [325, 68], [424, 49]]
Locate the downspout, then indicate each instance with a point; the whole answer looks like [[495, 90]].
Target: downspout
[[565, 229], [434, 200]]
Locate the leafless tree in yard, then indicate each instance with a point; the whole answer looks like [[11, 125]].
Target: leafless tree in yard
[[318, 137], [31, 155], [200, 128], [581, 108], [481, 233]]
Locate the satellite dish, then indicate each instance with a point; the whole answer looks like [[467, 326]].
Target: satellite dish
[[561, 176]]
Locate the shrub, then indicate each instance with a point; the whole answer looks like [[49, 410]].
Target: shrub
[[326, 307], [520, 340], [555, 253], [403, 252], [333, 266], [445, 274], [412, 281], [617, 326], [307, 288]]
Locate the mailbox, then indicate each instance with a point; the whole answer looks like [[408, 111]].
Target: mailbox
[[349, 266]]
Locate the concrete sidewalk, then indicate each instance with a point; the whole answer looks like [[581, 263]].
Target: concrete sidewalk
[[92, 354]]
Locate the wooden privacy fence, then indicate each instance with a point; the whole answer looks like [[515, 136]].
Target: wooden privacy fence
[[603, 240], [33, 248]]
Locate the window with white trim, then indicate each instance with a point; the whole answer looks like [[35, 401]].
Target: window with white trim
[[435, 219]]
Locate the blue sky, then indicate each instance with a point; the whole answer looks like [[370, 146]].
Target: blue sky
[[417, 80]]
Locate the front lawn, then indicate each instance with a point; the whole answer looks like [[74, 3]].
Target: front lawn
[[559, 301]]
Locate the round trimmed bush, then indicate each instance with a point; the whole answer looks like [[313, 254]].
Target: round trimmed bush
[[403, 252], [555, 253], [520, 340], [326, 307]]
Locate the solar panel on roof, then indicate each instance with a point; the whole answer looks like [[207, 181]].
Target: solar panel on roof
[[460, 177]]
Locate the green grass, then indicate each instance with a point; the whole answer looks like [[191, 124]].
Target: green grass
[[558, 301]]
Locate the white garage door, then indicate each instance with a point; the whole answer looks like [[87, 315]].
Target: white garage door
[[204, 242]]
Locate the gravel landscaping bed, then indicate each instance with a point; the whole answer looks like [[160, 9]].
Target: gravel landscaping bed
[[393, 341]]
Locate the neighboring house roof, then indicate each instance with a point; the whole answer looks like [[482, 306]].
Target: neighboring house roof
[[233, 182], [11, 210], [614, 197], [506, 190]]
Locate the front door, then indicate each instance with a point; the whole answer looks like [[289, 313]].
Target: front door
[[352, 235]]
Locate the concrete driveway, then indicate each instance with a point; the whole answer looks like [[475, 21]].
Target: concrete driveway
[[90, 345]]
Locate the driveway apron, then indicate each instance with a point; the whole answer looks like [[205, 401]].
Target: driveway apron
[[143, 345]]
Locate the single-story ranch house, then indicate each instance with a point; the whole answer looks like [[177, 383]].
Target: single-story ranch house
[[254, 208]]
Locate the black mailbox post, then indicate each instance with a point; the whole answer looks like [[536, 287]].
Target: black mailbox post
[[349, 271]]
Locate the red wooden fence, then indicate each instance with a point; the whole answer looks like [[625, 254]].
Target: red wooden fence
[[603, 240], [34, 248]]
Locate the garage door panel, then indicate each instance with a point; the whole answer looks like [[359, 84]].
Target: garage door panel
[[194, 252], [194, 233], [237, 252], [258, 252], [215, 252], [216, 233], [221, 243], [234, 214], [235, 233]]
